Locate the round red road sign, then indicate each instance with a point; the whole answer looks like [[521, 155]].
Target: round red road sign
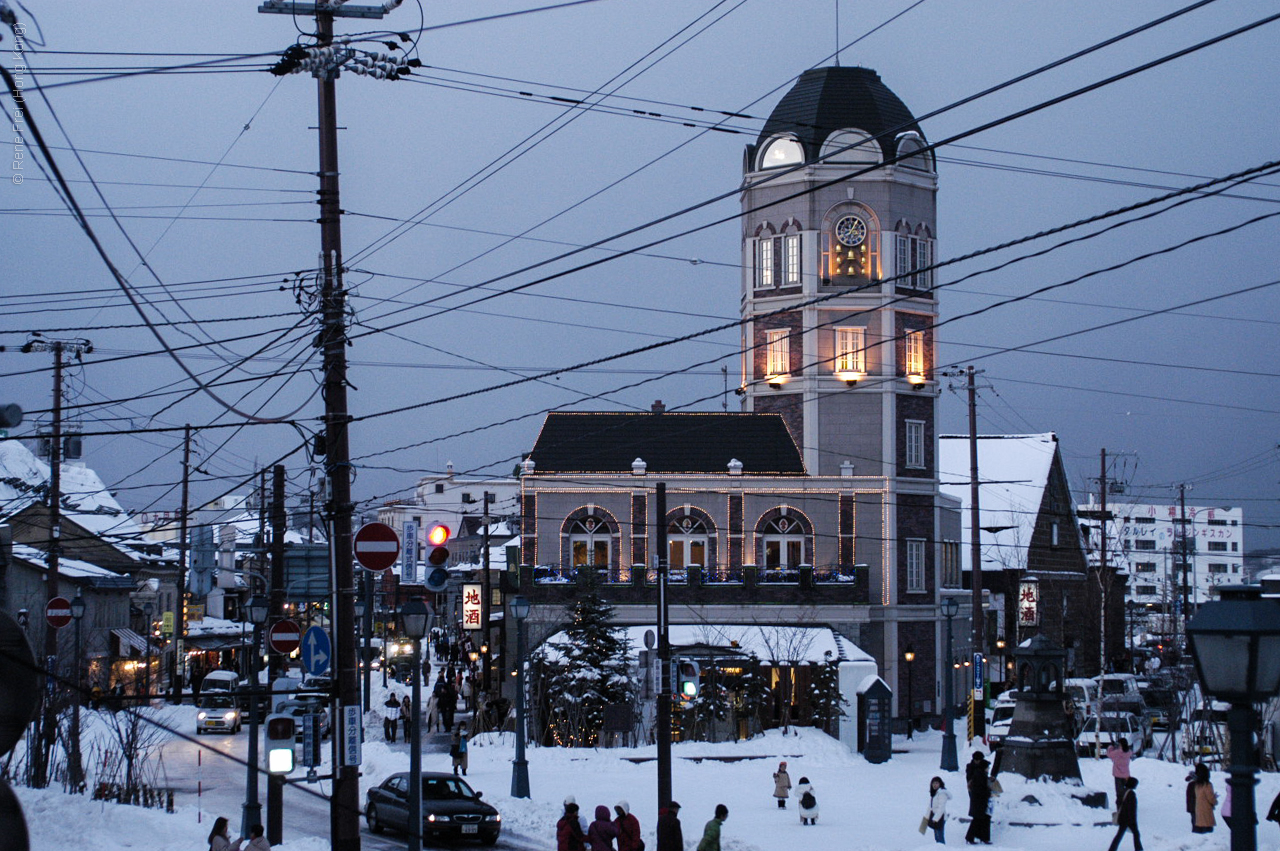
[[58, 612], [284, 636], [377, 546]]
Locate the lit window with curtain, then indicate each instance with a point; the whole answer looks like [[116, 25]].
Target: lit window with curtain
[[850, 350], [913, 353], [778, 352]]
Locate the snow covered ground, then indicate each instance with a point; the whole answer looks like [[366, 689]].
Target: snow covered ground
[[863, 806]]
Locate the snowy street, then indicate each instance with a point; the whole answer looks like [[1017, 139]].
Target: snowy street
[[862, 806]]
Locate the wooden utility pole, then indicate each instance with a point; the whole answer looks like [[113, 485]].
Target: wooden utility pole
[[664, 648], [1104, 584], [178, 675], [979, 718]]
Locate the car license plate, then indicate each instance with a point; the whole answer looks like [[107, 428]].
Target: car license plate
[[211, 723], [471, 828]]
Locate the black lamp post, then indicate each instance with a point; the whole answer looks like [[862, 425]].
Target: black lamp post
[[520, 767], [910, 656], [1235, 642], [259, 608], [415, 615], [950, 608], [77, 776], [361, 605]]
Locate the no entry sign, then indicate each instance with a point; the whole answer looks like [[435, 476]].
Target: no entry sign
[[284, 636], [377, 546], [58, 612]]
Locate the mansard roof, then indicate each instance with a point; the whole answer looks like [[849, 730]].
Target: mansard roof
[[667, 443]]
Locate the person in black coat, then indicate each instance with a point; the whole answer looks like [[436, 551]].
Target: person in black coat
[[1127, 815], [975, 775], [1273, 814], [670, 834]]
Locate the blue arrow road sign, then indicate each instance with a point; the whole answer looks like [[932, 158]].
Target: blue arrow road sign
[[316, 651]]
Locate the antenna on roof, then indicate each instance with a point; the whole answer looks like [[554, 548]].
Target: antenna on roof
[[837, 33]]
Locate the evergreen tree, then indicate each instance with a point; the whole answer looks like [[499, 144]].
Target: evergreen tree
[[828, 702], [754, 694], [586, 671]]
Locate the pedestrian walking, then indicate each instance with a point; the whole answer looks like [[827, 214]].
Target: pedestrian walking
[[448, 704], [406, 715], [458, 750], [220, 836], [807, 801], [936, 817], [602, 832], [1120, 756], [711, 833], [390, 717], [1127, 815], [670, 832], [975, 775], [1273, 814], [569, 835], [1205, 801], [433, 712], [628, 828], [781, 785], [257, 840]]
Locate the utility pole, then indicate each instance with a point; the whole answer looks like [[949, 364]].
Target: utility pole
[[275, 782], [1182, 549], [1104, 584], [325, 64], [178, 676], [664, 648], [975, 557], [77, 347], [485, 604]]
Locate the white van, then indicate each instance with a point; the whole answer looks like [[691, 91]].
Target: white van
[[220, 681]]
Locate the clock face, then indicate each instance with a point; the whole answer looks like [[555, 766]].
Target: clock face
[[851, 230]]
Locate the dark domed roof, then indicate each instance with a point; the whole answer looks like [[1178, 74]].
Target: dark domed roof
[[825, 100]]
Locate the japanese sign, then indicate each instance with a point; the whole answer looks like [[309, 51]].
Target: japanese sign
[[1029, 602], [409, 565], [471, 600]]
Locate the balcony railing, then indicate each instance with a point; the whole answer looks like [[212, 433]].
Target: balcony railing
[[834, 573]]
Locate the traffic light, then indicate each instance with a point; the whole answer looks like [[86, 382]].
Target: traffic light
[[686, 679], [281, 730], [437, 537]]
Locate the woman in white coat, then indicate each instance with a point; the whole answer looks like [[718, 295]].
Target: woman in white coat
[[937, 815], [808, 802]]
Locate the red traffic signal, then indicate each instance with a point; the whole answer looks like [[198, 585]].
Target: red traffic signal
[[437, 537]]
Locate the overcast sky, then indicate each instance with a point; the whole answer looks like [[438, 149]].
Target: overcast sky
[[1182, 378]]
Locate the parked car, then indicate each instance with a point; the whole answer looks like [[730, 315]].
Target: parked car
[[1204, 736], [218, 713], [1115, 725], [302, 707], [1000, 717], [1162, 704], [451, 810], [1134, 705], [228, 681], [1117, 685]]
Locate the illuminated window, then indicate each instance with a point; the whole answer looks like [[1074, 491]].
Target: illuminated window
[[589, 544], [791, 260], [850, 350], [915, 565], [780, 152], [783, 544], [951, 564], [913, 353], [914, 443], [778, 352], [686, 543]]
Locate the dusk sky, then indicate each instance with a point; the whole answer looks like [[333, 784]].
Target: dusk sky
[[524, 137]]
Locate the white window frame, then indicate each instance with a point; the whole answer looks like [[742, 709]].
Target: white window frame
[[791, 260], [913, 440], [777, 351], [914, 259], [593, 543], [915, 565], [851, 350], [913, 353], [764, 262]]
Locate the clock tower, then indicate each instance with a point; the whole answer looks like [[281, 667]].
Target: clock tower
[[838, 217]]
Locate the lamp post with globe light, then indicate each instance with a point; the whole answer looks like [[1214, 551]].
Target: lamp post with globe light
[[75, 767], [950, 608], [520, 767], [259, 609], [1235, 642], [414, 614]]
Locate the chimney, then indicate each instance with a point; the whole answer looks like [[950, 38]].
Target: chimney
[[658, 407]]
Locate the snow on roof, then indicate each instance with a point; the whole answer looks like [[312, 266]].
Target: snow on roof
[[800, 644], [86, 501], [214, 626], [1013, 471], [69, 568]]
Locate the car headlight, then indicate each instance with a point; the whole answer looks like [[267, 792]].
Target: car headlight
[[494, 817], [433, 818], [229, 716], [202, 715]]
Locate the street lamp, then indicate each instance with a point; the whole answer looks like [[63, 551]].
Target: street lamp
[[1235, 642], [520, 768], [950, 608], [77, 776], [259, 607], [362, 606], [415, 615], [910, 656], [147, 609]]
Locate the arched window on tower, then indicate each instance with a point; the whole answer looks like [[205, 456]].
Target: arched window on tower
[[850, 247], [913, 258], [780, 151]]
